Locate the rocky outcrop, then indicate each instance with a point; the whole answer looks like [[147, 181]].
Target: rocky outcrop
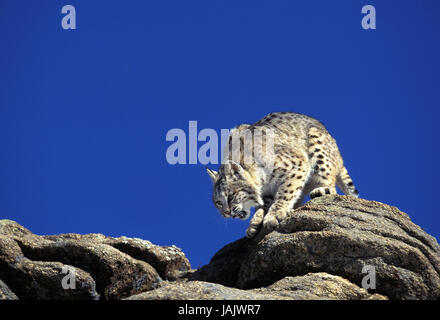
[[313, 286], [337, 235], [33, 267], [319, 252], [6, 293]]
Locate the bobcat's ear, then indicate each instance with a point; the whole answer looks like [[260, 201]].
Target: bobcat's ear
[[234, 167], [213, 174]]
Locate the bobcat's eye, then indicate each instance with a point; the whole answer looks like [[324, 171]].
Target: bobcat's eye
[[218, 203], [230, 197]]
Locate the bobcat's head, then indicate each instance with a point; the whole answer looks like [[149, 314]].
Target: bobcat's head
[[235, 192]]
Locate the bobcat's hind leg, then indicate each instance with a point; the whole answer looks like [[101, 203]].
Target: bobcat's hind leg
[[325, 160], [317, 192]]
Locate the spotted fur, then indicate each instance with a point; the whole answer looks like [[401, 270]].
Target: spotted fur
[[306, 161]]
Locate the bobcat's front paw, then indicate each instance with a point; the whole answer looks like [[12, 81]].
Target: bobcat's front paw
[[273, 218], [255, 224], [251, 232], [270, 223]]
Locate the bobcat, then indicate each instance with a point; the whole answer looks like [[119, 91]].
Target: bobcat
[[305, 160]]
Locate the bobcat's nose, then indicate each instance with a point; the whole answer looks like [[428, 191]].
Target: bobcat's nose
[[227, 213]]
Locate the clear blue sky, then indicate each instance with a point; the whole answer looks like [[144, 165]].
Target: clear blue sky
[[84, 113]]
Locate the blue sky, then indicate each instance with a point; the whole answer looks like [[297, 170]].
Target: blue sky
[[84, 113]]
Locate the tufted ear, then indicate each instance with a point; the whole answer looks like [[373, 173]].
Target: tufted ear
[[213, 174], [234, 167]]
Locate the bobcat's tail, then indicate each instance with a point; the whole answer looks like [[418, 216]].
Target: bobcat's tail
[[345, 183]]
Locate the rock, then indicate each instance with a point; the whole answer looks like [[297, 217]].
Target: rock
[[315, 286], [330, 248], [337, 235], [225, 265], [169, 261], [39, 279], [32, 265], [321, 286], [6, 293], [197, 290]]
